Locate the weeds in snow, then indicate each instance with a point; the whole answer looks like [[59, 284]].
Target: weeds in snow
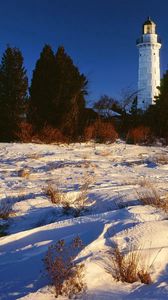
[[5, 209], [150, 196], [66, 275], [55, 195], [33, 156], [3, 230], [81, 201], [126, 267], [75, 206], [24, 173], [161, 159]]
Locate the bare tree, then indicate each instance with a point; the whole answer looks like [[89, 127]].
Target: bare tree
[[105, 105]]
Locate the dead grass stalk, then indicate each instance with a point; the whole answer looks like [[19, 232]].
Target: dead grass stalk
[[150, 196], [127, 267]]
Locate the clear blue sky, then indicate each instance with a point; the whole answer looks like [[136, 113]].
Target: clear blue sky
[[99, 35]]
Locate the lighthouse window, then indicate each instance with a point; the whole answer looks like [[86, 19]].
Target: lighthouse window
[[148, 29]]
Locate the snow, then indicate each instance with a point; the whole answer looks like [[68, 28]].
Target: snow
[[115, 215]]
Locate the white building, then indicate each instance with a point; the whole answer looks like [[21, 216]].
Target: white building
[[149, 65]]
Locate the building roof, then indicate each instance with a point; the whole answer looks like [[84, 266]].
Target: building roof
[[149, 22]]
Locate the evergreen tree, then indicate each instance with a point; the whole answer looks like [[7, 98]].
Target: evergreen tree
[[43, 90], [70, 92], [159, 112], [13, 92]]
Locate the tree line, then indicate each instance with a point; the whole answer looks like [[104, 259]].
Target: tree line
[[55, 98], [54, 105]]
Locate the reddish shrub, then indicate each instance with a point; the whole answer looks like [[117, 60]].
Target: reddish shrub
[[101, 131], [138, 135], [25, 132], [50, 135], [47, 134]]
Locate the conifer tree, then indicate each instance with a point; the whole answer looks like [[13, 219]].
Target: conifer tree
[[159, 111], [71, 89], [13, 92], [43, 90]]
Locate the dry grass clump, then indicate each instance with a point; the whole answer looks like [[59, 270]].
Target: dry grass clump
[[75, 206], [50, 135], [55, 195], [127, 267], [34, 156], [161, 159], [101, 131], [66, 275], [105, 153], [139, 135], [150, 196], [81, 201], [25, 132], [24, 173], [3, 230], [5, 209]]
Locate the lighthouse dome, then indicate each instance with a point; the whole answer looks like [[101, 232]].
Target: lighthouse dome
[[148, 27], [149, 22]]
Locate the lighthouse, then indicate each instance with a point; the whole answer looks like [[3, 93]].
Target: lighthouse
[[149, 45]]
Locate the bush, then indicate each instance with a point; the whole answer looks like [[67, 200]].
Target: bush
[[5, 209], [51, 135], [81, 201], [150, 196], [47, 134], [3, 228], [75, 206], [101, 131], [55, 195], [66, 275], [24, 173], [25, 132], [126, 267], [138, 135]]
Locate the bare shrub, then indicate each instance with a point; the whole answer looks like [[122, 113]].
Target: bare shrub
[[138, 135], [33, 155], [55, 195], [25, 132], [127, 267], [5, 209], [81, 201], [101, 131], [3, 228], [150, 196], [161, 159], [66, 275], [75, 206], [47, 134], [144, 276], [24, 173], [51, 135], [105, 153]]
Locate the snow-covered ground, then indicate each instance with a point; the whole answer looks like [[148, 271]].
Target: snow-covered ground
[[115, 215]]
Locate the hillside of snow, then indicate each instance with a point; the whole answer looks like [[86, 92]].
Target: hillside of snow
[[116, 174]]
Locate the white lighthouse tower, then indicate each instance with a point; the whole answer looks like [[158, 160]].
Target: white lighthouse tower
[[149, 65]]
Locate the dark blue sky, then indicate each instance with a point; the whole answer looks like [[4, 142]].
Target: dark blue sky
[[99, 35]]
